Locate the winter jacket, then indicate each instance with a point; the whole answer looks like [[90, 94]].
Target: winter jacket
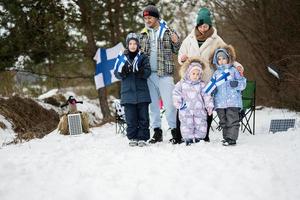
[[191, 48], [225, 95], [190, 93], [134, 87], [165, 50]]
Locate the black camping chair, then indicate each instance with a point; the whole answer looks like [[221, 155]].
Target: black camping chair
[[119, 117], [248, 112]]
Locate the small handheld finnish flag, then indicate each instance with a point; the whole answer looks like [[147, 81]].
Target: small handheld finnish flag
[[162, 28], [105, 61], [214, 82]]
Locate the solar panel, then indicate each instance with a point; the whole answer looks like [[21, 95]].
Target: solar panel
[[281, 125], [75, 126]]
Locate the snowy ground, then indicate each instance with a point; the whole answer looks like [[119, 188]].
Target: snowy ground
[[101, 165]]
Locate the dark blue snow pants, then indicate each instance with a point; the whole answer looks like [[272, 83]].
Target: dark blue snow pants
[[137, 120]]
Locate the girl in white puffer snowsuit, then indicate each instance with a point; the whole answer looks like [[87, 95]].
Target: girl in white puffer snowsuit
[[192, 103]]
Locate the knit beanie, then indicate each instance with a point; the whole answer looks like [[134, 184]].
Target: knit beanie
[[151, 11], [203, 17], [222, 54], [132, 36], [193, 66]]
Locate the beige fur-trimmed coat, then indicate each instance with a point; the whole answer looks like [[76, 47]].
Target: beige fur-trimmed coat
[[191, 48]]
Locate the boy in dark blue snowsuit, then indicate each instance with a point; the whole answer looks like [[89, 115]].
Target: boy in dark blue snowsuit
[[133, 68]]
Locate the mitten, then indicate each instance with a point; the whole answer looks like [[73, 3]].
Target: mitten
[[240, 70], [234, 84], [209, 111], [214, 92]]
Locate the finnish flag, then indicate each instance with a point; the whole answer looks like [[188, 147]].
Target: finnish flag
[[105, 62], [217, 81]]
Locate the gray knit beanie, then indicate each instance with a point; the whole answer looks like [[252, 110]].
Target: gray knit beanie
[[132, 36], [222, 54]]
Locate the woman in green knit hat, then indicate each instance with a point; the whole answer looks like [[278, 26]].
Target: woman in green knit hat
[[200, 43]]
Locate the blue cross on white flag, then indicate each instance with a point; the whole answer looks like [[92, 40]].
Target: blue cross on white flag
[[162, 28], [217, 81], [105, 61]]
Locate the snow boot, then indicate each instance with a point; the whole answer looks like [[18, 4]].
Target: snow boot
[[206, 139], [142, 143], [176, 136], [197, 140], [157, 136], [229, 143], [133, 143], [188, 142]]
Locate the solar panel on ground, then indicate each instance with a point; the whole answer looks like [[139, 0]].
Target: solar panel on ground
[[75, 126], [281, 125]]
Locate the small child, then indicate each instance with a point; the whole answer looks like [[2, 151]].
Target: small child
[[226, 85], [133, 68], [192, 103]]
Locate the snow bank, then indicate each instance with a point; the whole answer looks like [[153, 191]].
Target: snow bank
[[101, 165], [7, 135]]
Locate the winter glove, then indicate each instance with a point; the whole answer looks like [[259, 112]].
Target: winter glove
[[234, 84], [140, 73], [126, 70], [182, 106]]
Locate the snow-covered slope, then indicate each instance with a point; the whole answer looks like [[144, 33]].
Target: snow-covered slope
[[101, 165]]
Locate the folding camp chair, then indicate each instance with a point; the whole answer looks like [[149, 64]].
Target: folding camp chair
[[248, 111], [119, 117], [248, 98]]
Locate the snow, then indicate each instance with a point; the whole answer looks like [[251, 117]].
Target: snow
[[91, 107], [7, 134], [48, 94], [101, 165]]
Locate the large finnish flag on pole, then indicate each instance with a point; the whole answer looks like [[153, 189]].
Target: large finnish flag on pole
[[105, 61]]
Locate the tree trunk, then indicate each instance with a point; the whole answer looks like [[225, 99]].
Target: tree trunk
[[91, 49]]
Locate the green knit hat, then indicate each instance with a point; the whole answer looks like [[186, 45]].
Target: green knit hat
[[203, 17]]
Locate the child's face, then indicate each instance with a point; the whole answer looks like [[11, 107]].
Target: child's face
[[132, 46], [222, 60], [195, 75]]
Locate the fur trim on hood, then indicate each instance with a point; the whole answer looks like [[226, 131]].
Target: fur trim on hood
[[185, 66], [229, 50]]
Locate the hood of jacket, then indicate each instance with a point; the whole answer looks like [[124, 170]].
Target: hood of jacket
[[228, 50], [188, 65]]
